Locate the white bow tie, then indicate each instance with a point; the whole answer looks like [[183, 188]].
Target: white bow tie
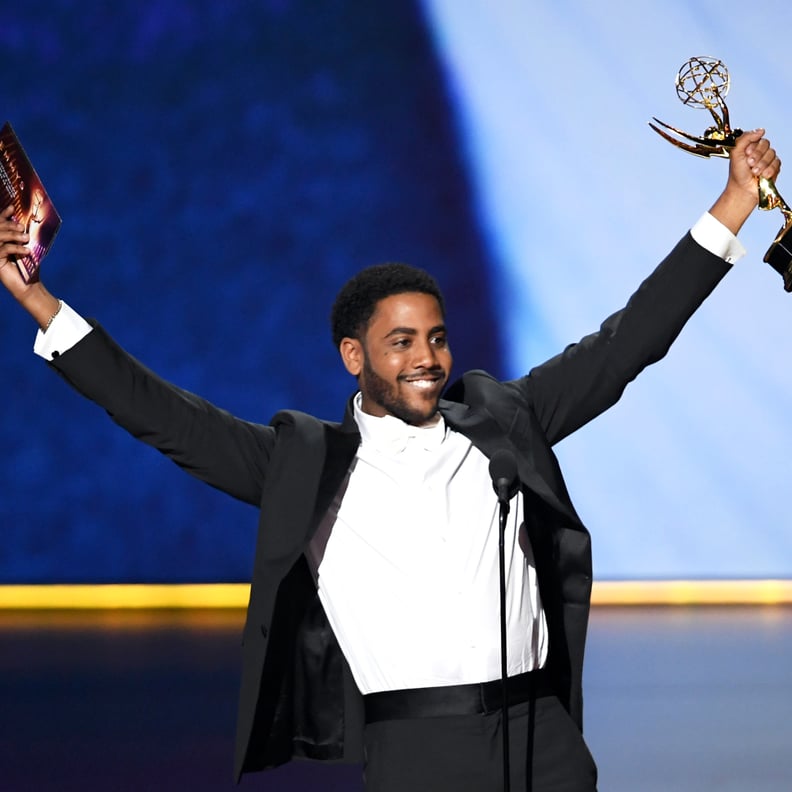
[[392, 435], [398, 436]]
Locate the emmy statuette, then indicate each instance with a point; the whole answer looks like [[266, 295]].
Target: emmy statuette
[[703, 83]]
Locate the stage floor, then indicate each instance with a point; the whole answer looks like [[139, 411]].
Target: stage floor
[[682, 699]]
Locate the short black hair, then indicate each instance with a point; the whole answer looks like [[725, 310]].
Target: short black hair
[[355, 303]]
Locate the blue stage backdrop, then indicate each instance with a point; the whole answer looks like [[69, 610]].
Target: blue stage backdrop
[[222, 168]]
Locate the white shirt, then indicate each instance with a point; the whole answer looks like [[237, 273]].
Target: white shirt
[[409, 577]]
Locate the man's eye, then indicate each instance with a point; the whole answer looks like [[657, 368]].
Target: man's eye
[[440, 341]]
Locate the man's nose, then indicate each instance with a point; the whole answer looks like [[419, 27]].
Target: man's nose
[[425, 355]]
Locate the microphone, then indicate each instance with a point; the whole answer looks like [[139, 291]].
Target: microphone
[[503, 472]]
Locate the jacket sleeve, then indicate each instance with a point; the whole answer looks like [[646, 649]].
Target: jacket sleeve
[[210, 444], [590, 376]]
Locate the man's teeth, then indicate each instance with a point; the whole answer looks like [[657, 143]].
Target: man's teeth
[[423, 383]]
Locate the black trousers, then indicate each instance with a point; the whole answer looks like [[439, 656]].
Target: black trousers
[[464, 753]]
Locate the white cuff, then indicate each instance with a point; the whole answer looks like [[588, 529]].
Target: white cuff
[[67, 328], [712, 235]]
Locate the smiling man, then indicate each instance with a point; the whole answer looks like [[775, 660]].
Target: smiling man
[[395, 344], [372, 631]]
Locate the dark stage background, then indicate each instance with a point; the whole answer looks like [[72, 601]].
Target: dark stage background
[[221, 168]]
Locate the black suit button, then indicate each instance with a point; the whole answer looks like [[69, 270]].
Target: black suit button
[[264, 630]]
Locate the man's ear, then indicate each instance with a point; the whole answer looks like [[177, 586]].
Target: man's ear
[[352, 354]]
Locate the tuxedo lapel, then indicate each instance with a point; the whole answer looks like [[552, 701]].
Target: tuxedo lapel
[[480, 426], [341, 444]]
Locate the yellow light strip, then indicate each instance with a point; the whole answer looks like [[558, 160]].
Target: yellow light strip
[[692, 592], [131, 596], [235, 595]]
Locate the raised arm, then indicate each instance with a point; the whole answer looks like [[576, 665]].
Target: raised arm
[[207, 442], [589, 377]]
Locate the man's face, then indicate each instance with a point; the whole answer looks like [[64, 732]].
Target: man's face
[[402, 362]]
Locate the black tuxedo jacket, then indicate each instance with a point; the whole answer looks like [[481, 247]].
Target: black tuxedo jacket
[[297, 696]]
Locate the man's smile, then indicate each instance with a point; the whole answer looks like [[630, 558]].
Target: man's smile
[[424, 381]]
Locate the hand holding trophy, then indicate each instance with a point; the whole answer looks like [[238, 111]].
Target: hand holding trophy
[[703, 83]]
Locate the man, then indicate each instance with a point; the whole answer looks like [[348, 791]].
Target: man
[[376, 566]]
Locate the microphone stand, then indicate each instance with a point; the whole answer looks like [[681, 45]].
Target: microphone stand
[[503, 471], [504, 513]]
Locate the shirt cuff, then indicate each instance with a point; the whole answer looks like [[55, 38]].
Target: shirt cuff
[[67, 328], [713, 236]]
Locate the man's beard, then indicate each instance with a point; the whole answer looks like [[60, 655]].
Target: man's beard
[[383, 394]]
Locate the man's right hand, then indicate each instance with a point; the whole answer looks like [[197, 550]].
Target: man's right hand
[[36, 300], [13, 242]]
